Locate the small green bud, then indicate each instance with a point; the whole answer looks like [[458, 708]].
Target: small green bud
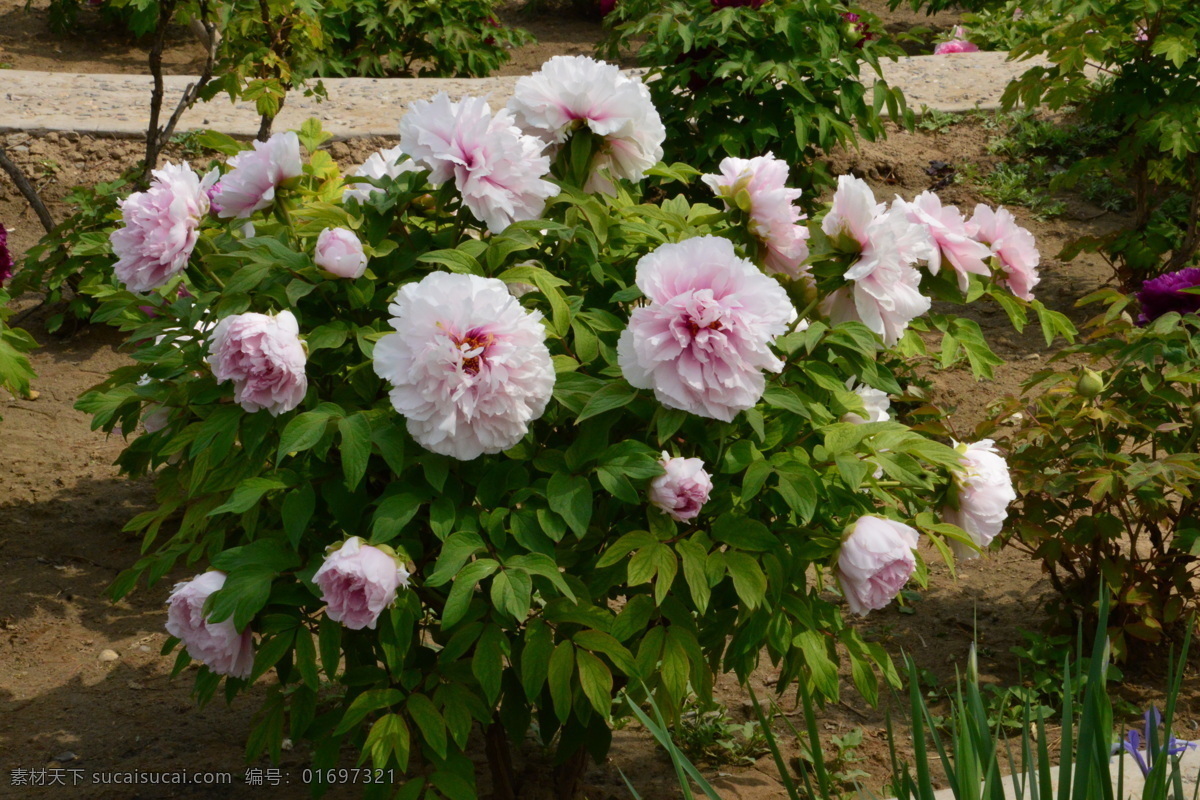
[[1090, 384]]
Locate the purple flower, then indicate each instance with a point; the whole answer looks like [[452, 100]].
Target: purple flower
[[1159, 295], [1132, 743], [6, 259]]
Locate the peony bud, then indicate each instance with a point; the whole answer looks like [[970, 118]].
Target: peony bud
[[358, 581], [1090, 383], [340, 252]]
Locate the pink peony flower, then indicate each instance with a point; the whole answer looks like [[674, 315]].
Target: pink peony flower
[[1013, 246], [884, 291], [340, 252], [683, 489], [570, 92], [958, 43], [255, 174], [357, 582], [851, 212], [264, 358], [951, 235], [875, 562], [496, 168], [875, 402], [703, 340], [384, 164], [759, 183], [984, 491], [468, 365], [160, 228], [218, 645]]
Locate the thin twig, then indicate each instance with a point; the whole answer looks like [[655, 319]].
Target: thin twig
[[26, 188], [192, 92], [165, 12]]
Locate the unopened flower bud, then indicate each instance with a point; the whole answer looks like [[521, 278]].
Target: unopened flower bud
[[1090, 384]]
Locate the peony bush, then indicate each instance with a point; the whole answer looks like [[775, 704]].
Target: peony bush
[[553, 446]]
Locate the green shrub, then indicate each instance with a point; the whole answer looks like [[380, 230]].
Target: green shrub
[[543, 583], [744, 79], [1106, 469]]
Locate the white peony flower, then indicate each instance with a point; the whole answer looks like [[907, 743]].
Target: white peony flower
[[875, 401], [884, 292], [984, 492], [385, 164], [468, 365], [951, 237], [875, 562], [496, 168], [569, 92], [255, 174], [774, 217]]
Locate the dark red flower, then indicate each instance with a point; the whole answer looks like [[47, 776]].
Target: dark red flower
[[6, 259], [1164, 293], [606, 7], [737, 3]]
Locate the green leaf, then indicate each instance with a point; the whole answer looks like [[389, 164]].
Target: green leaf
[[456, 551], [562, 667], [389, 738], [748, 579], [535, 658], [743, 533], [392, 515], [329, 642], [302, 433], [601, 642], [596, 680], [454, 260], [247, 493], [463, 589], [695, 574], [816, 655], [356, 447], [297, 510], [488, 662], [433, 728], [612, 395], [365, 703], [570, 496], [675, 668], [511, 593]]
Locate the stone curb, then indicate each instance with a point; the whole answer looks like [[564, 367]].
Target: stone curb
[[118, 105]]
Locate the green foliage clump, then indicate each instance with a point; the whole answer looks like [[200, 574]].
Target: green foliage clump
[[1105, 462], [15, 370], [1130, 66], [745, 79]]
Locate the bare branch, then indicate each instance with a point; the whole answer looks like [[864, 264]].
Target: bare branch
[[26, 188], [192, 93], [165, 13]]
